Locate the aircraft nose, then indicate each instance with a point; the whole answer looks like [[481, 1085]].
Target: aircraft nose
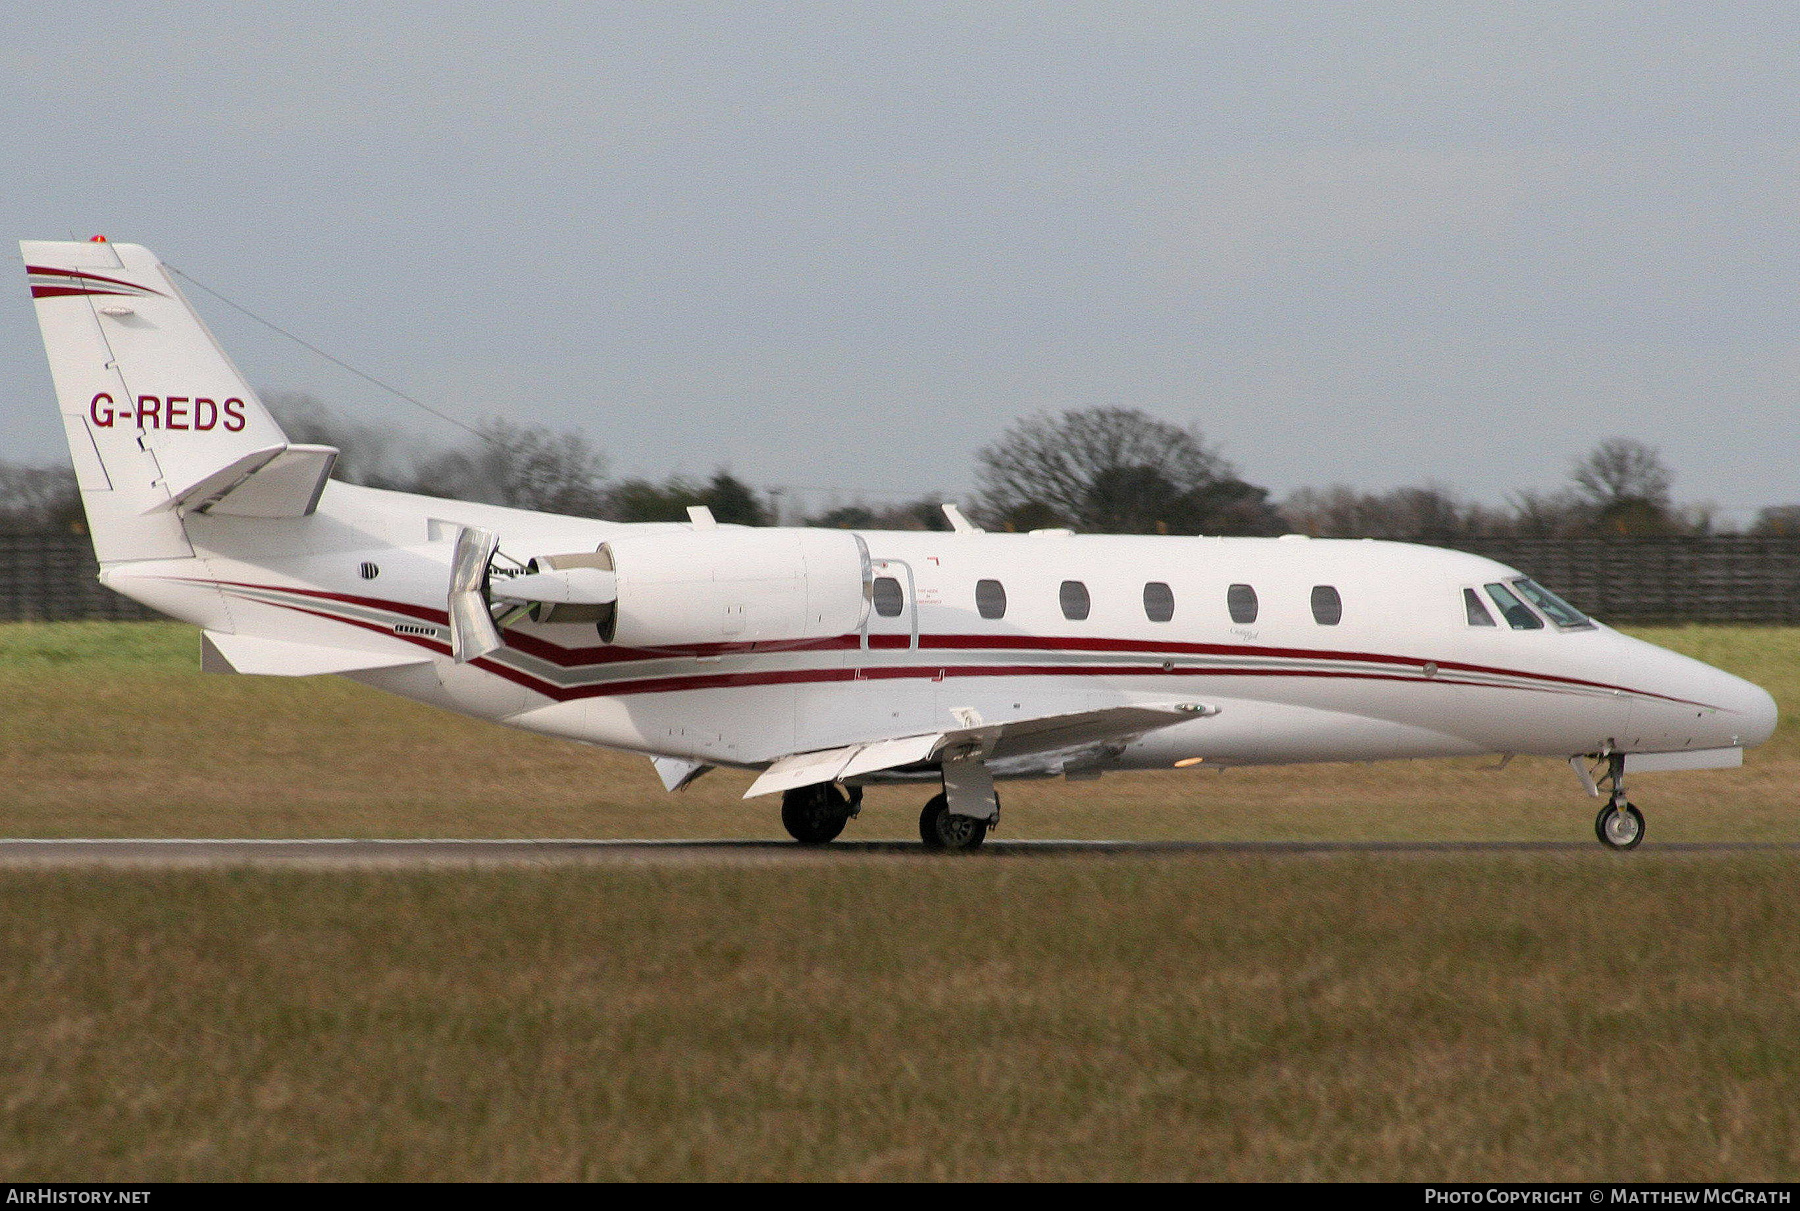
[[1755, 710], [1745, 712], [1742, 713]]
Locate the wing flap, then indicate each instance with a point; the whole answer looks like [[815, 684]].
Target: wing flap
[[1018, 738]]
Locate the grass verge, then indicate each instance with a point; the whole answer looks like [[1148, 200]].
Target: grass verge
[[1470, 1018], [112, 731]]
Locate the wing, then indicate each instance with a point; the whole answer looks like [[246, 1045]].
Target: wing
[[1043, 735]]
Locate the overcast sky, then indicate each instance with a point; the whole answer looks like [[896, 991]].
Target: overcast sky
[[846, 244]]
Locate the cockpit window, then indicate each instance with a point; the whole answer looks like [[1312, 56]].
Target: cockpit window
[[1518, 615], [1478, 613], [1553, 607]]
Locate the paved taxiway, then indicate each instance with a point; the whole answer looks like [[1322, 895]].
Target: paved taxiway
[[431, 852]]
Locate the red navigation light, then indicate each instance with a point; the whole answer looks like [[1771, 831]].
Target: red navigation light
[[96, 239]]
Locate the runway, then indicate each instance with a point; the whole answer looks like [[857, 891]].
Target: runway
[[428, 853]]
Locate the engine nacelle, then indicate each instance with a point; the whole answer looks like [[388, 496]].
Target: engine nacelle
[[685, 588]]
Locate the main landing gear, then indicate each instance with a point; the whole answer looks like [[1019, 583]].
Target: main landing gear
[[959, 819], [1620, 825], [938, 829], [816, 814]]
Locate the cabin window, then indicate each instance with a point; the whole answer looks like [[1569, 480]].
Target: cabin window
[[1327, 606], [1518, 615], [990, 599], [1478, 613], [1159, 601], [1240, 599], [889, 599], [1074, 598], [1553, 607]]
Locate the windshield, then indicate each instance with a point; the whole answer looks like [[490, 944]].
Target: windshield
[[1555, 608], [1518, 615]]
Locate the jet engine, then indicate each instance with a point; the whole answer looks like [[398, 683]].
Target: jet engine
[[678, 588]]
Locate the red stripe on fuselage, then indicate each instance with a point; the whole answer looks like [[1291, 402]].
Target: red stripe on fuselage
[[698, 681], [576, 658]]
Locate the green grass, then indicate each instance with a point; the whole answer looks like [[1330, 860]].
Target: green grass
[[111, 730], [1575, 1018]]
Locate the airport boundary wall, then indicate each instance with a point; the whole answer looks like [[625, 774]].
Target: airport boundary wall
[[49, 576], [52, 578], [1661, 580]]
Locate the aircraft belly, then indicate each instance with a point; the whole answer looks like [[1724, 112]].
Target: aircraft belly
[[1247, 732]]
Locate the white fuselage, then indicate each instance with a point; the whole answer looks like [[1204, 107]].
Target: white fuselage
[[1402, 674]]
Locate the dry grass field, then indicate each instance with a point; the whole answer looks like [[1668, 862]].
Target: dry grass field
[[1570, 1016], [1350, 1017], [111, 730]]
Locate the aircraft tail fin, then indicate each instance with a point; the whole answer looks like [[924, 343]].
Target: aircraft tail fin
[[159, 421]]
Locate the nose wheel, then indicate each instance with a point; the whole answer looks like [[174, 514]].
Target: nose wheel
[[1620, 825]]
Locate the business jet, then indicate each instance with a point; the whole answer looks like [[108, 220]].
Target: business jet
[[827, 660]]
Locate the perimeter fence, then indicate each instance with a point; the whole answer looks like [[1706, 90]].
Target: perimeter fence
[[1667, 580], [52, 578]]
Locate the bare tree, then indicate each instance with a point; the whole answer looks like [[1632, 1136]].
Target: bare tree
[[1777, 521], [1115, 471], [1427, 513], [731, 500], [1628, 486], [368, 454], [523, 467], [1559, 514], [926, 513], [36, 497]]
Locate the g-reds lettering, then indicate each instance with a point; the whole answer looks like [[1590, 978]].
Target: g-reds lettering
[[169, 412]]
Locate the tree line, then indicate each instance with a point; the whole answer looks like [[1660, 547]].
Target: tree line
[[1095, 470]]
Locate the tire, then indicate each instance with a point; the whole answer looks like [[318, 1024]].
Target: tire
[[1624, 832], [938, 829], [815, 815]]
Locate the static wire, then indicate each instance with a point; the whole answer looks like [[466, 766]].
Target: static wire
[[339, 362]]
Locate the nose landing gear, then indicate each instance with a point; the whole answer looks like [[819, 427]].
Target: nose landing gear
[[1619, 828], [1620, 825]]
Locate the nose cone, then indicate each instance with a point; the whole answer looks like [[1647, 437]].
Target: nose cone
[[1755, 708], [1735, 711]]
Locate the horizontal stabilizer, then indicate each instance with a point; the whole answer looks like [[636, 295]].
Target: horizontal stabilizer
[[277, 481], [223, 653], [1018, 738]]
